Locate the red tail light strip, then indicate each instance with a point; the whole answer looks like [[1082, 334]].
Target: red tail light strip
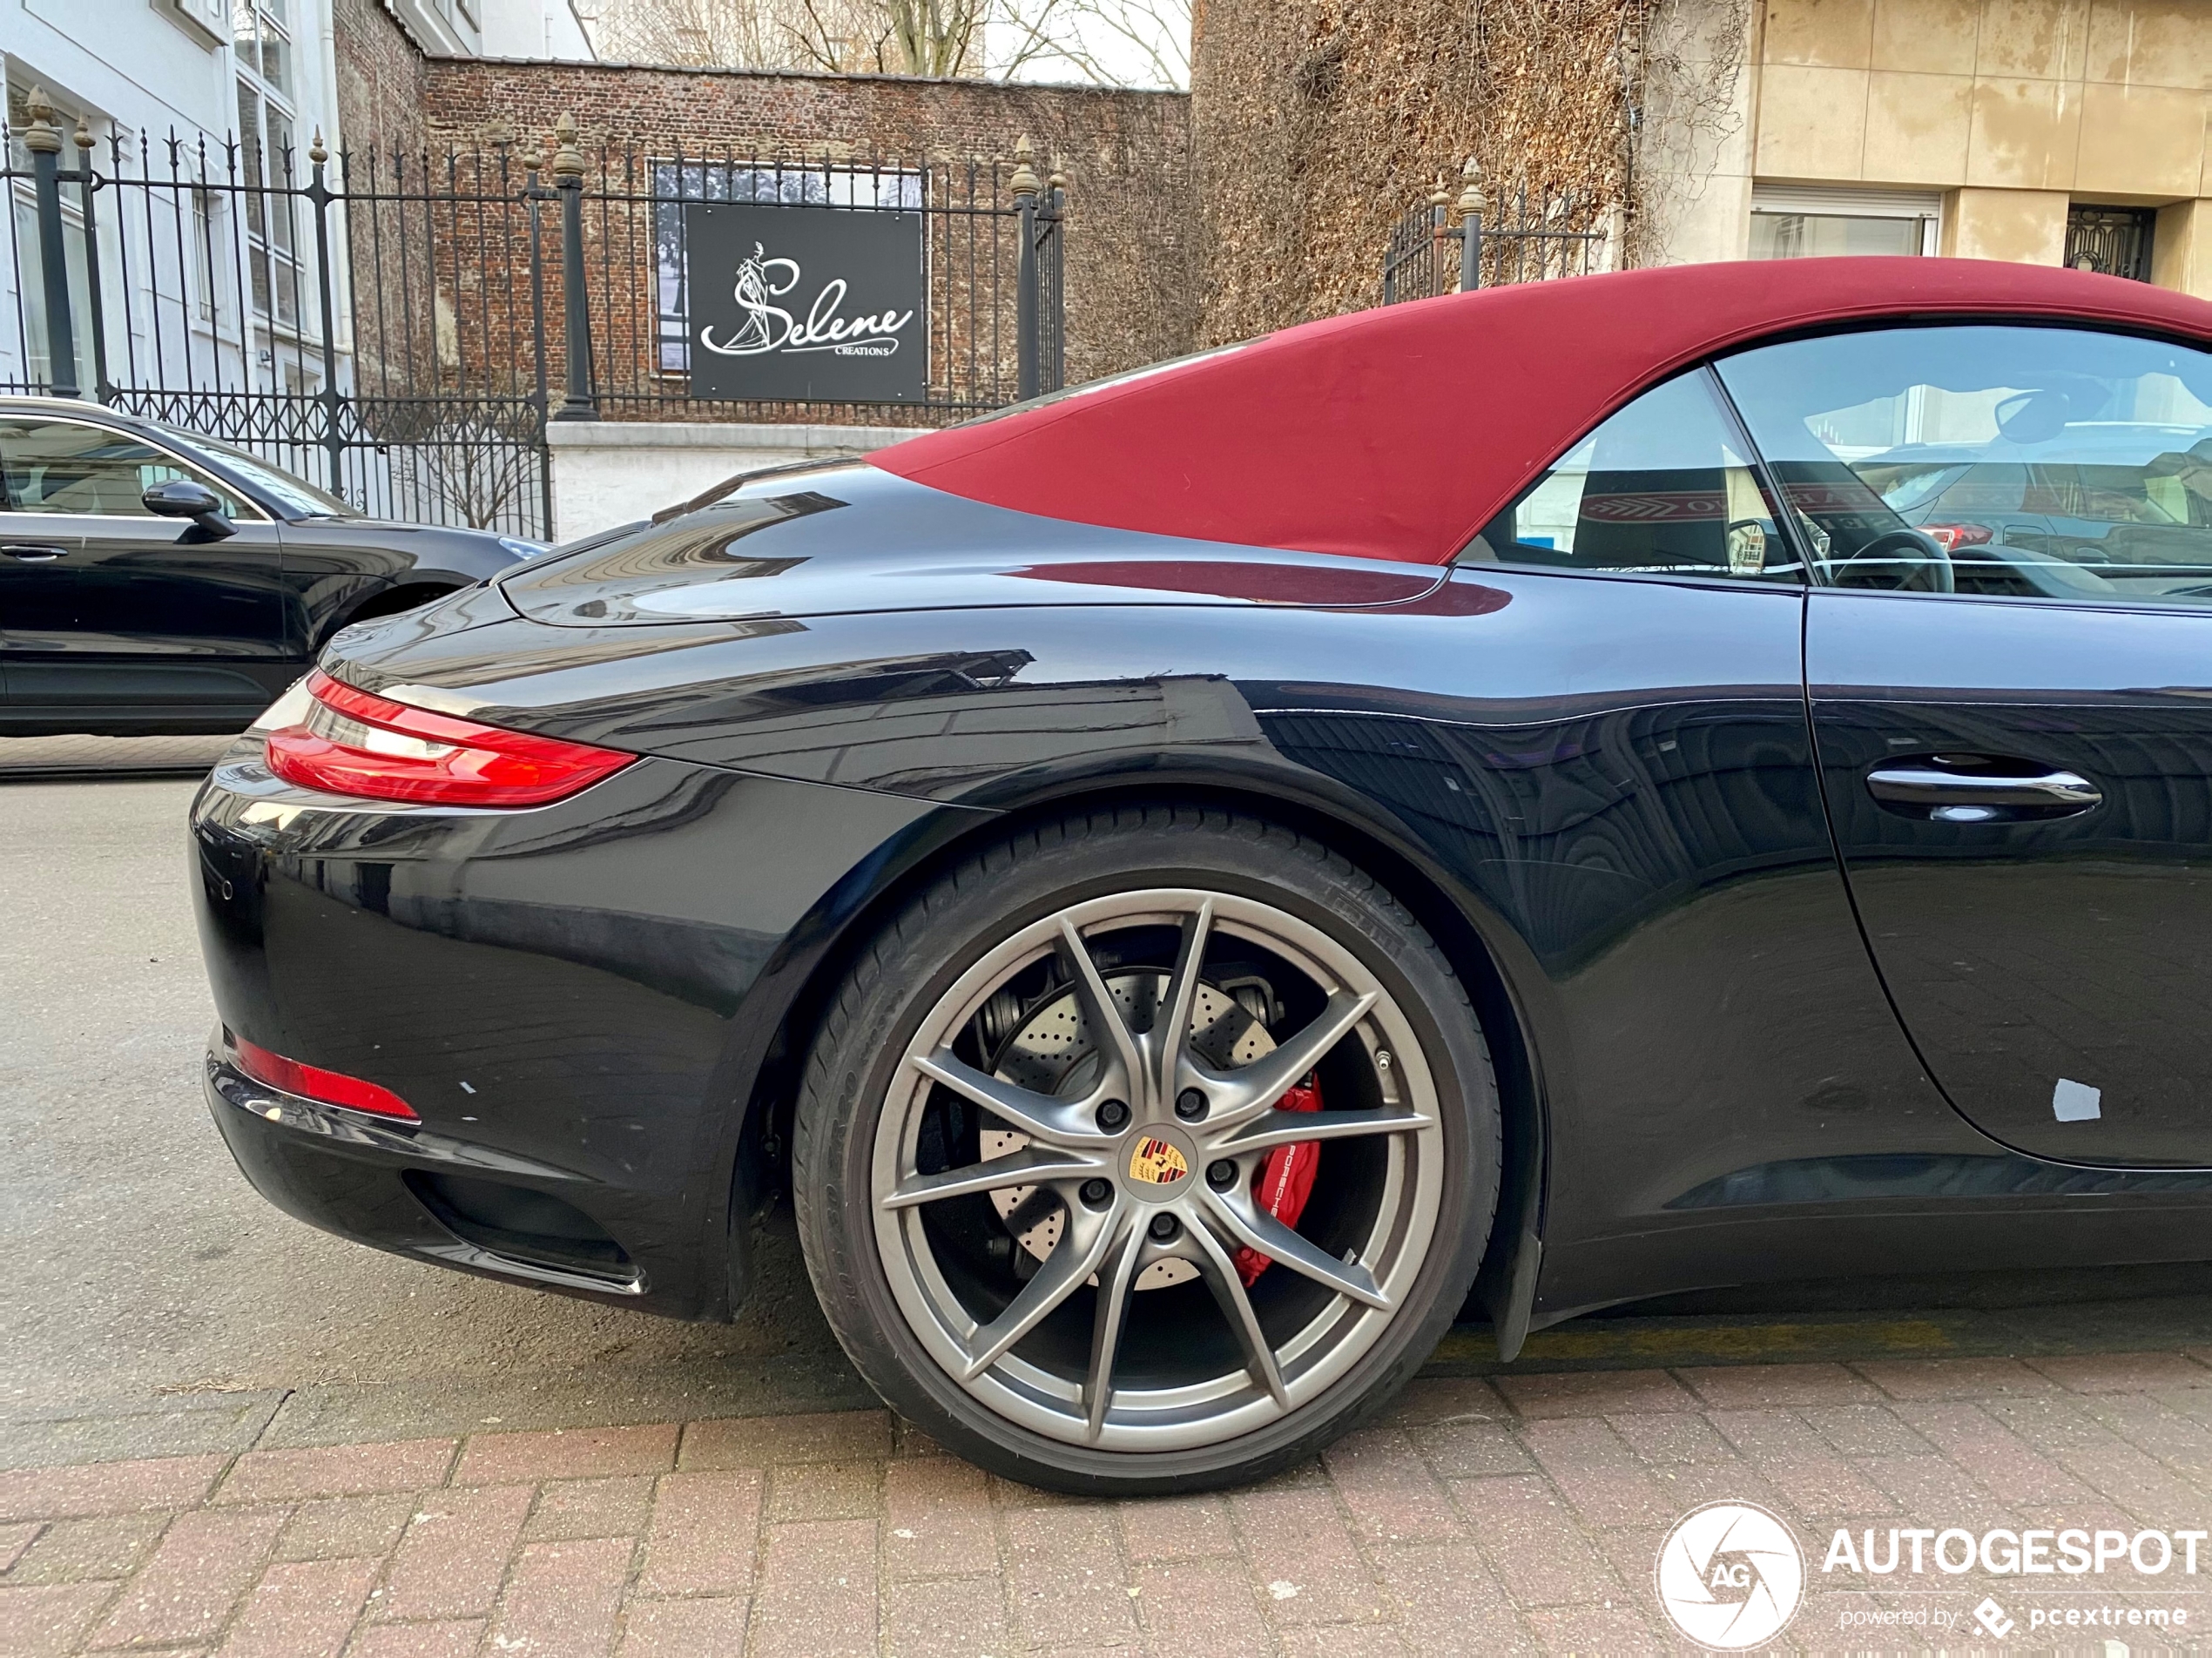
[[356, 743], [331, 1088]]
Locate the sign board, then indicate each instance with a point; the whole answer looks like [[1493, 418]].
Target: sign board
[[818, 304]]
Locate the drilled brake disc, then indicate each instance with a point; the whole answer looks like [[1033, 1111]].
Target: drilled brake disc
[[1053, 1043]]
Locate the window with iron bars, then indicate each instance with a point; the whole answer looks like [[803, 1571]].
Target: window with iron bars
[[206, 237], [2115, 241]]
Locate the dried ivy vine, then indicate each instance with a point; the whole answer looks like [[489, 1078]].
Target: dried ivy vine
[[1318, 123]]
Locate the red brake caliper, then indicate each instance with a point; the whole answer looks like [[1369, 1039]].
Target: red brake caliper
[[1285, 1180]]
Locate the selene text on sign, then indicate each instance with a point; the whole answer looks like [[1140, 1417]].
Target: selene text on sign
[[824, 304]]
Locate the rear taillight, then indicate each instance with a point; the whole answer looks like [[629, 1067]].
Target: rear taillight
[[330, 1088], [353, 743], [1951, 537]]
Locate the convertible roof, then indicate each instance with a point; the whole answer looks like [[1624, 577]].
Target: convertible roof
[[1398, 433]]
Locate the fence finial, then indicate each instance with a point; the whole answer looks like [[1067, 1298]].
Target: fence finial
[[1025, 181], [42, 137], [568, 161], [1472, 199], [1441, 195], [84, 134], [1059, 178], [316, 152], [499, 132]]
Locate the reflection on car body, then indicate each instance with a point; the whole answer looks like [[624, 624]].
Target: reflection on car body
[[2115, 508]]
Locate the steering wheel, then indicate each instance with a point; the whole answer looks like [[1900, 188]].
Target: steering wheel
[[1926, 566]]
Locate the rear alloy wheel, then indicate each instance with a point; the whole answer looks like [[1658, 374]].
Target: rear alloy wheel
[[1167, 1153]]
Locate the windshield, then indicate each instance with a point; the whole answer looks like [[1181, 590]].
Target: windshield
[[295, 493]]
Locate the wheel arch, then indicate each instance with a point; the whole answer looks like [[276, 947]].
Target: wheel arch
[[1505, 1286]]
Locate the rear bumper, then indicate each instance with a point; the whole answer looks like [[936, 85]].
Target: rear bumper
[[577, 1000], [348, 1173]]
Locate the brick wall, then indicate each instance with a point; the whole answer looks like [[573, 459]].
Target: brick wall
[[381, 77], [1131, 284]]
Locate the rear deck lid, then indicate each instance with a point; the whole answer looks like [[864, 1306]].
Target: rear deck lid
[[851, 538]]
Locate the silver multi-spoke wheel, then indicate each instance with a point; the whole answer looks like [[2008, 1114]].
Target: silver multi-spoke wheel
[[1061, 1184]]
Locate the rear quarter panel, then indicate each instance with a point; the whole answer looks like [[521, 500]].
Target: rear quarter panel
[[1610, 780]]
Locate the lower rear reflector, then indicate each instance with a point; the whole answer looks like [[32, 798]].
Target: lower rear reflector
[[311, 1081]]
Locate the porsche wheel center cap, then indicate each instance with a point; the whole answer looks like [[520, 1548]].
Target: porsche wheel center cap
[[1158, 1164]]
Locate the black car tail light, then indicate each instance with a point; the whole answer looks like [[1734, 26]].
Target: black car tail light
[[354, 743]]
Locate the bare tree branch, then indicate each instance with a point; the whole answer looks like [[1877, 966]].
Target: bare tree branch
[[1113, 42], [1137, 43]]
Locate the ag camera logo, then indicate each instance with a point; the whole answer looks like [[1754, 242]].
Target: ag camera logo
[[1730, 1576]]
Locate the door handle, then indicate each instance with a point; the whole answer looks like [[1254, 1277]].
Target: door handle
[[1979, 791], [33, 552]]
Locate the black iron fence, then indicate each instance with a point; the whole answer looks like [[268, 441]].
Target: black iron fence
[[399, 326], [1450, 245]]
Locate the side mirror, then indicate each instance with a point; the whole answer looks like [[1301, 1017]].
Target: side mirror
[[183, 498]]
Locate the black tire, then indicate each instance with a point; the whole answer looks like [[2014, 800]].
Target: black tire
[[918, 955]]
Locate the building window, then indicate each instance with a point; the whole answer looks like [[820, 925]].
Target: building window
[[2115, 241], [209, 240], [267, 139], [1806, 222]]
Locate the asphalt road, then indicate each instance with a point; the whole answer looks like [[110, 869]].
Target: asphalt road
[[140, 1265], [153, 1302]]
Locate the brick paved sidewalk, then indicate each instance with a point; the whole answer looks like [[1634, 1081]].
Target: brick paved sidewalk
[[1518, 1514]]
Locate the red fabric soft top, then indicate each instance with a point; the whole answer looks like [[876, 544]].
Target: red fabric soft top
[[1398, 433]]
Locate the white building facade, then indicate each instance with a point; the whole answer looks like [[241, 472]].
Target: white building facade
[[200, 101], [200, 117]]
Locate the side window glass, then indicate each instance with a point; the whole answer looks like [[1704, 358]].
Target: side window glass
[[70, 465], [1661, 488], [2011, 462]]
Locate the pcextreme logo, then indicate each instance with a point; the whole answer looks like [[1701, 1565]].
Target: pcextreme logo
[[1730, 1576]]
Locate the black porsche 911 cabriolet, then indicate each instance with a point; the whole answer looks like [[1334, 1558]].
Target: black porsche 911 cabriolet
[[1183, 881]]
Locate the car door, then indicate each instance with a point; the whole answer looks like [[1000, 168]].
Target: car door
[[112, 615], [2014, 726], [28, 540], [1601, 732]]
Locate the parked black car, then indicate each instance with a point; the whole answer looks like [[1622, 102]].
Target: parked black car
[[152, 580], [1181, 880]]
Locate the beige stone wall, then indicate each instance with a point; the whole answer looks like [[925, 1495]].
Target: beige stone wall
[[2181, 248], [2026, 226], [1694, 162], [2011, 107]]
